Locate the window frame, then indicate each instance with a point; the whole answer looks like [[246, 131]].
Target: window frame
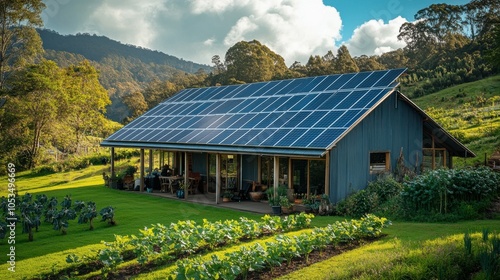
[[379, 170]]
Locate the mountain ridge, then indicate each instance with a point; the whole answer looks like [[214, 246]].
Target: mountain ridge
[[96, 48]]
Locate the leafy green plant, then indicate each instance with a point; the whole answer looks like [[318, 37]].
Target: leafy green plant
[[78, 206], [285, 202], [61, 218], [66, 203], [87, 214], [30, 217], [50, 210], [108, 214], [274, 198], [446, 191], [237, 264]]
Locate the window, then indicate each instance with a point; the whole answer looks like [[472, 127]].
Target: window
[[379, 162]]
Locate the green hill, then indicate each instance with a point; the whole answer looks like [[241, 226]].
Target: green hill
[[471, 112]]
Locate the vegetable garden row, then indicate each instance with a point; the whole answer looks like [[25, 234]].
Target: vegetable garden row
[[185, 241]]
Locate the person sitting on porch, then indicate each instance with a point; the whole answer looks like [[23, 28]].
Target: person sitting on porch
[[166, 171]]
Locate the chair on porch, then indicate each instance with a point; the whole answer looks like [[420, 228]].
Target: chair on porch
[[128, 182], [194, 182], [165, 184]]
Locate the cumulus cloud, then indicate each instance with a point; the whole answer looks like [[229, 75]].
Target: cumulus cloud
[[376, 37], [198, 29]]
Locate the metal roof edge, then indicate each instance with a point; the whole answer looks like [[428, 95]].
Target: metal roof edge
[[296, 152]]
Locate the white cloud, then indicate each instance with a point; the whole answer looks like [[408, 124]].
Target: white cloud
[[376, 37], [198, 29], [129, 21]]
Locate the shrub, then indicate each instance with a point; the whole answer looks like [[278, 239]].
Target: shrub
[[366, 201], [385, 187], [466, 193]]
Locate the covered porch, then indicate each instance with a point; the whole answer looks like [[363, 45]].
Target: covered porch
[[223, 172]]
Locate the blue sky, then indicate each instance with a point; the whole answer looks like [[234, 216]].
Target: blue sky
[[196, 30], [354, 13]]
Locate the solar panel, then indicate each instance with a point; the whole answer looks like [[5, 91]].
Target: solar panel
[[309, 112]]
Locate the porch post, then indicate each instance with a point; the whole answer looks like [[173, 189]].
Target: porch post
[[112, 162], [259, 168], [290, 176], [150, 162], [142, 170], [308, 177], [186, 175], [327, 173], [217, 178], [276, 175]]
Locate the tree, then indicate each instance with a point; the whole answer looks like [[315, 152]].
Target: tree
[[317, 65], [344, 63], [38, 91], [136, 104], [494, 54], [19, 41], [366, 63], [249, 62], [440, 20], [86, 101]]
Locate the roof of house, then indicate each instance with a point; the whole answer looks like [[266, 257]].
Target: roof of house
[[299, 117]]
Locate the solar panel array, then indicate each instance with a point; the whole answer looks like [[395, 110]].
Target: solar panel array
[[298, 113]]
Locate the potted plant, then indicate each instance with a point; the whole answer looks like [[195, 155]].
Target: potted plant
[[311, 204], [325, 207], [113, 181], [226, 196], [181, 189], [274, 198], [286, 205], [298, 198], [256, 193]]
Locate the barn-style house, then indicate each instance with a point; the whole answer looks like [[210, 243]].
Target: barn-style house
[[317, 135]]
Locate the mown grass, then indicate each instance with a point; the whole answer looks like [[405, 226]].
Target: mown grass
[[441, 257]]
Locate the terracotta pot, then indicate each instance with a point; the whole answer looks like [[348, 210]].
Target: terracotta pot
[[256, 196], [287, 210]]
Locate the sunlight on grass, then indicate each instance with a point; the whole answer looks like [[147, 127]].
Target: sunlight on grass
[[393, 258], [32, 267]]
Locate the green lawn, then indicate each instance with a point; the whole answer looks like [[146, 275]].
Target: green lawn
[[135, 211]]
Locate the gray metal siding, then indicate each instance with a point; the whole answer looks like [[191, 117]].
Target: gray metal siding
[[389, 127]]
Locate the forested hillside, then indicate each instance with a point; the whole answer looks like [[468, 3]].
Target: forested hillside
[[97, 48], [124, 69]]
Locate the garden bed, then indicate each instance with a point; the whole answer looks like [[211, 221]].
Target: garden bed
[[314, 257]]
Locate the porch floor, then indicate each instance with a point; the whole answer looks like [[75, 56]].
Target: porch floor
[[261, 207]]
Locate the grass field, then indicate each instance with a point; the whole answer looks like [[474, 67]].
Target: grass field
[[134, 211]]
